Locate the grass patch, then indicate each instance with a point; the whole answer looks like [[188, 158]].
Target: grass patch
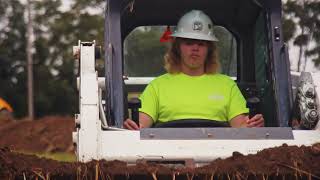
[[60, 156]]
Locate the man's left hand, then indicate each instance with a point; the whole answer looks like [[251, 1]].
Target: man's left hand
[[256, 121]]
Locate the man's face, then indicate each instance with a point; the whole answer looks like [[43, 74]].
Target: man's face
[[193, 53]]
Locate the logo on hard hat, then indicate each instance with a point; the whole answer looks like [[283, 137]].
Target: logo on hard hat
[[197, 26]]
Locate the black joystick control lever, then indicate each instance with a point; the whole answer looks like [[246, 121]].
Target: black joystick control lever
[[134, 104], [253, 104]]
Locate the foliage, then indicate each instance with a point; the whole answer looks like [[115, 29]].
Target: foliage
[[143, 49], [302, 23], [227, 47], [143, 46], [12, 54], [55, 32]]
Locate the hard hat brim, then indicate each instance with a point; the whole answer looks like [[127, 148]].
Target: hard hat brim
[[195, 36]]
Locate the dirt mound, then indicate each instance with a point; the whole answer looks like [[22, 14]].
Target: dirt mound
[[285, 162], [53, 134], [49, 134]]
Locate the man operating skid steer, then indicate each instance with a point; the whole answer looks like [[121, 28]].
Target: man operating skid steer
[[192, 88]]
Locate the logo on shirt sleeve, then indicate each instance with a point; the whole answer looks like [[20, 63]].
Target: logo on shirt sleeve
[[216, 97]]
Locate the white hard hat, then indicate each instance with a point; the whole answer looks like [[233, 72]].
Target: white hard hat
[[195, 25]]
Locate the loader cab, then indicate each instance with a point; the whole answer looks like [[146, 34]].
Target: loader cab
[[250, 45]]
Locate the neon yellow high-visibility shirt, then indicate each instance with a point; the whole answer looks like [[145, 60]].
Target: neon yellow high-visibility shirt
[[179, 96]]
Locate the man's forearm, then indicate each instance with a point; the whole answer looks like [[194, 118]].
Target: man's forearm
[[145, 120]]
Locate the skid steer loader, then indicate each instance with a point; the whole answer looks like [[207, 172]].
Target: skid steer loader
[[6, 111], [255, 56]]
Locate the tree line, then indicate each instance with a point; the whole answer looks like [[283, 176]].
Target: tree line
[[301, 24], [57, 30]]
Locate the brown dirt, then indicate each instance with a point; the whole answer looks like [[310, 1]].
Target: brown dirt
[[49, 134], [285, 162]]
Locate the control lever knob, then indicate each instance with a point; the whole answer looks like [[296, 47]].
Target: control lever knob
[[253, 104], [134, 104]]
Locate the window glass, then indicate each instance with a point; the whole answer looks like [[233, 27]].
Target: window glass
[[261, 51], [227, 50], [143, 51]]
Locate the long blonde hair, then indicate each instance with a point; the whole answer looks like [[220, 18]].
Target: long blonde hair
[[172, 59]]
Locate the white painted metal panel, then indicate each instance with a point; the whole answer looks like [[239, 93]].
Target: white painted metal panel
[[88, 135], [89, 89], [127, 146], [93, 143]]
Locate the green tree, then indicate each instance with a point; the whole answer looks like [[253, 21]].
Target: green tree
[[227, 47], [302, 19], [144, 53], [12, 55], [55, 33]]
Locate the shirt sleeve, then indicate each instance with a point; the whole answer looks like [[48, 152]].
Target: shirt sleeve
[[237, 103], [149, 102]]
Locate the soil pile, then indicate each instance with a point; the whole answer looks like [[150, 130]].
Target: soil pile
[[53, 134], [285, 162], [49, 134]]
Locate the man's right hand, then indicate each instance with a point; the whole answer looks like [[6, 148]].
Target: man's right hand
[[144, 120], [130, 124]]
